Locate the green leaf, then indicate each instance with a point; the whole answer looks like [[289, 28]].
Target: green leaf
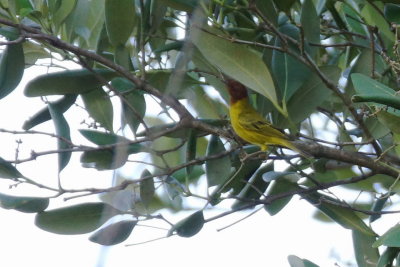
[[390, 238], [290, 74], [8, 171], [392, 12], [63, 133], [390, 120], [311, 94], [267, 8], [295, 261], [374, 18], [342, 215], [238, 61], [120, 20], [282, 183], [218, 169], [84, 25], [189, 226], [99, 106], [165, 81], [67, 82], [387, 257], [284, 5], [114, 233], [76, 219], [43, 115], [191, 148], [370, 89], [390, 101], [104, 159], [175, 45], [133, 105], [12, 65], [146, 187], [23, 204], [254, 188], [65, 8], [310, 22], [366, 255]]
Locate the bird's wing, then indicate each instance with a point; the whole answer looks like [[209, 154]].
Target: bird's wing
[[252, 121]]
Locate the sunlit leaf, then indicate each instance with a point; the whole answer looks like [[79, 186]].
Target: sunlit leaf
[[74, 220]]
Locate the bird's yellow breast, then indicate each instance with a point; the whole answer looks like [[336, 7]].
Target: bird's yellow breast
[[253, 128]]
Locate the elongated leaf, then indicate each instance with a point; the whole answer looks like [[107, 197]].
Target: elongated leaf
[[114, 233], [191, 150], [99, 106], [290, 74], [254, 188], [104, 159], [67, 82], [147, 188], [366, 255], [74, 220], [267, 8], [295, 261], [390, 101], [342, 215], [392, 12], [23, 204], [311, 23], [312, 94], [163, 79], [284, 5], [12, 65], [238, 61], [120, 20], [85, 23], [387, 257], [390, 238], [66, 7], [8, 171], [63, 133], [133, 105], [189, 226], [280, 185], [219, 169], [44, 115]]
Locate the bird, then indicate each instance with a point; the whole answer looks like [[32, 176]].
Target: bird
[[249, 124]]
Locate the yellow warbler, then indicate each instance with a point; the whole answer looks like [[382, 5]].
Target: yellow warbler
[[249, 124]]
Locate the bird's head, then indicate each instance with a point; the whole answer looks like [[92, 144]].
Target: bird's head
[[236, 90]]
